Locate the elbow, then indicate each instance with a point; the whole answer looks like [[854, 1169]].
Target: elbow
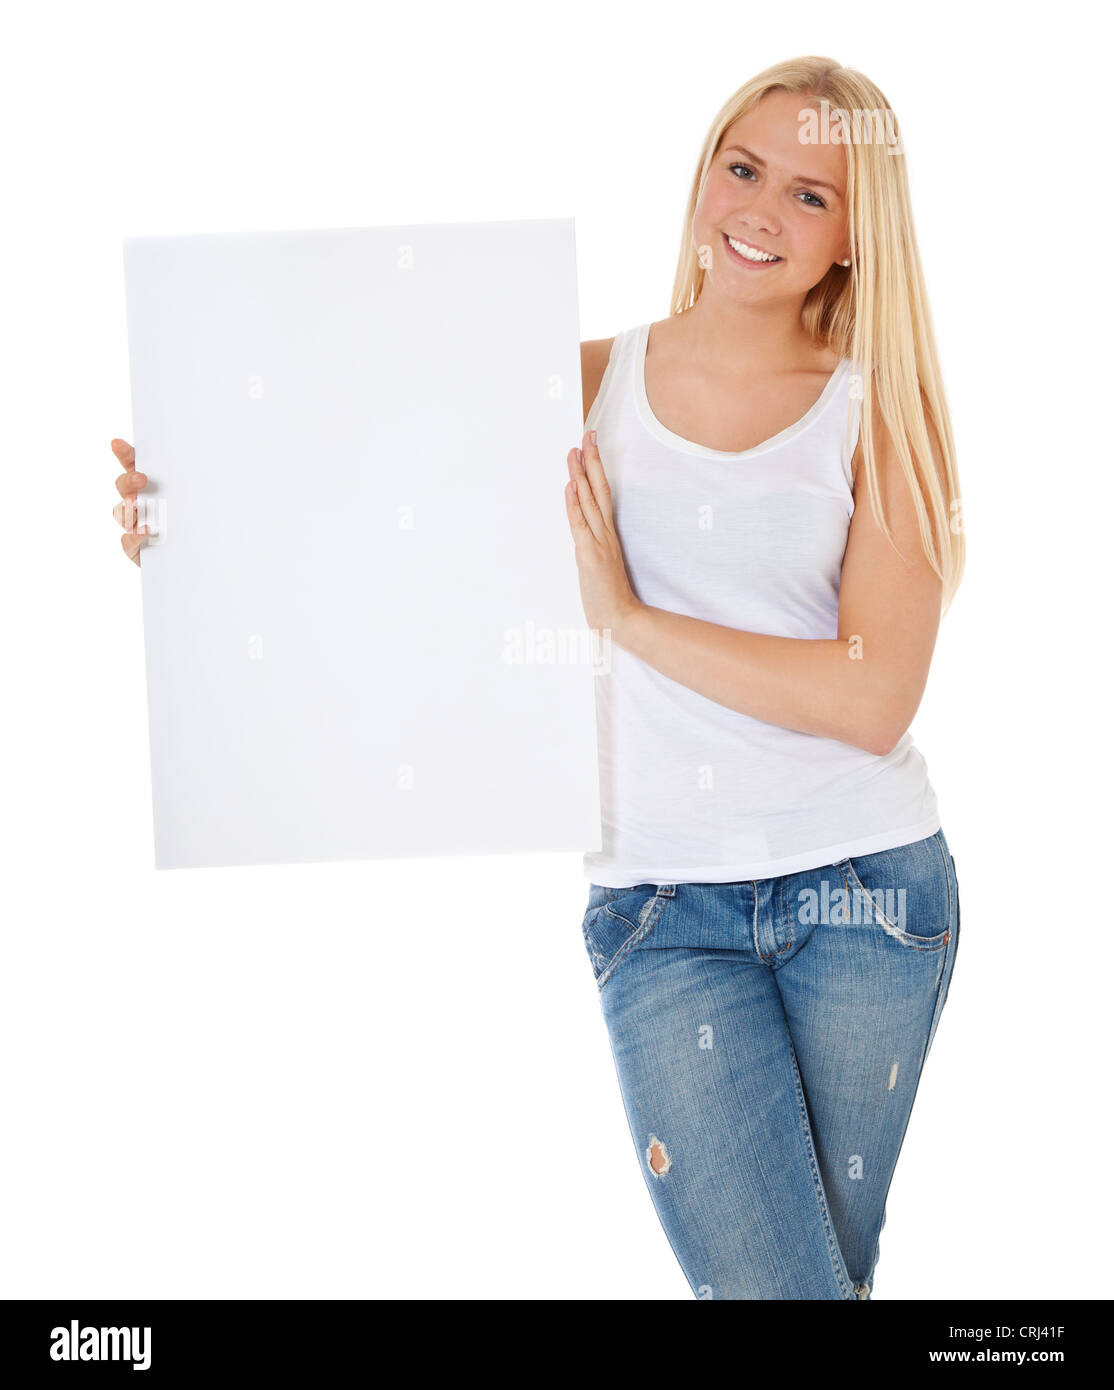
[[881, 747], [881, 736], [881, 717]]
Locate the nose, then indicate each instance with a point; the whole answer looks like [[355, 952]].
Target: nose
[[760, 221], [758, 214]]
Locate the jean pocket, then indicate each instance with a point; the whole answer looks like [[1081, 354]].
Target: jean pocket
[[618, 920], [631, 905], [904, 891]]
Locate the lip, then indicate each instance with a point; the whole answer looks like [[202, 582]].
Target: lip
[[753, 265]]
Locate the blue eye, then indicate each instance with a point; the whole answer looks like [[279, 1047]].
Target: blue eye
[[817, 202]]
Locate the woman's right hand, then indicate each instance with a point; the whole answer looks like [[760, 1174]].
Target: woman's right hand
[[128, 484]]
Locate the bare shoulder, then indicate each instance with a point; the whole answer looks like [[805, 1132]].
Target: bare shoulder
[[594, 356]]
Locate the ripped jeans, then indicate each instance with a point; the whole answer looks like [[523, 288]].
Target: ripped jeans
[[769, 1038]]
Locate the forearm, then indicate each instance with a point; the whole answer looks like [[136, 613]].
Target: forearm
[[825, 687]]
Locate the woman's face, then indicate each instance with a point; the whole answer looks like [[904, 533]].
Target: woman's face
[[767, 189]]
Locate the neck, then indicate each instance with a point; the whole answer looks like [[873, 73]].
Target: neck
[[740, 339]]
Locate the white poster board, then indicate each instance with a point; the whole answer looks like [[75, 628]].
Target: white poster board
[[363, 629]]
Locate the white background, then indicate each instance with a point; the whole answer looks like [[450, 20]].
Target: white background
[[392, 1079]]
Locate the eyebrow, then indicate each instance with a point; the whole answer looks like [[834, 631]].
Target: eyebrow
[[800, 178]]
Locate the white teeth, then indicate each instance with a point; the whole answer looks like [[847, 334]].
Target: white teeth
[[748, 254]]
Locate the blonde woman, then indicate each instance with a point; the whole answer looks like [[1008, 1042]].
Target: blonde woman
[[767, 532]]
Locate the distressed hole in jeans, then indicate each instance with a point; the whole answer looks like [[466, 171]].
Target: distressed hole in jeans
[[656, 1156]]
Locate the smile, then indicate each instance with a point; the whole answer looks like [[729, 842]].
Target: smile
[[750, 255]]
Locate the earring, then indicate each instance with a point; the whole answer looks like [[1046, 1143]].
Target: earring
[[845, 262]]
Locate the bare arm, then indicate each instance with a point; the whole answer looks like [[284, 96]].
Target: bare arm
[[864, 692], [594, 356]]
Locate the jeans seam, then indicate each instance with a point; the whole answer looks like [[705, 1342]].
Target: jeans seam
[[949, 950], [639, 935], [783, 888], [912, 1103], [842, 1277], [943, 983]]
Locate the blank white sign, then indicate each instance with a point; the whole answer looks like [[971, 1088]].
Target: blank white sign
[[363, 628]]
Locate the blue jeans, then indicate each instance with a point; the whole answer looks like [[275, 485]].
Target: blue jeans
[[769, 1038]]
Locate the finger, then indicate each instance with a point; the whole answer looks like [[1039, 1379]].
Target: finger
[[593, 466], [588, 504], [574, 512], [124, 452], [580, 489], [128, 484], [133, 542], [127, 514]]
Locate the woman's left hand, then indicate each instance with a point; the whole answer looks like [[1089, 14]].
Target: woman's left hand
[[605, 589]]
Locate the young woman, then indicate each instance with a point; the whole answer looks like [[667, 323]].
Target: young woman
[[773, 918], [767, 533]]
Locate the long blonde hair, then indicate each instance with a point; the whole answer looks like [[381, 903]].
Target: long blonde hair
[[877, 312]]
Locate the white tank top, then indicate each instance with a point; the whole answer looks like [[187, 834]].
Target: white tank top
[[690, 790]]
